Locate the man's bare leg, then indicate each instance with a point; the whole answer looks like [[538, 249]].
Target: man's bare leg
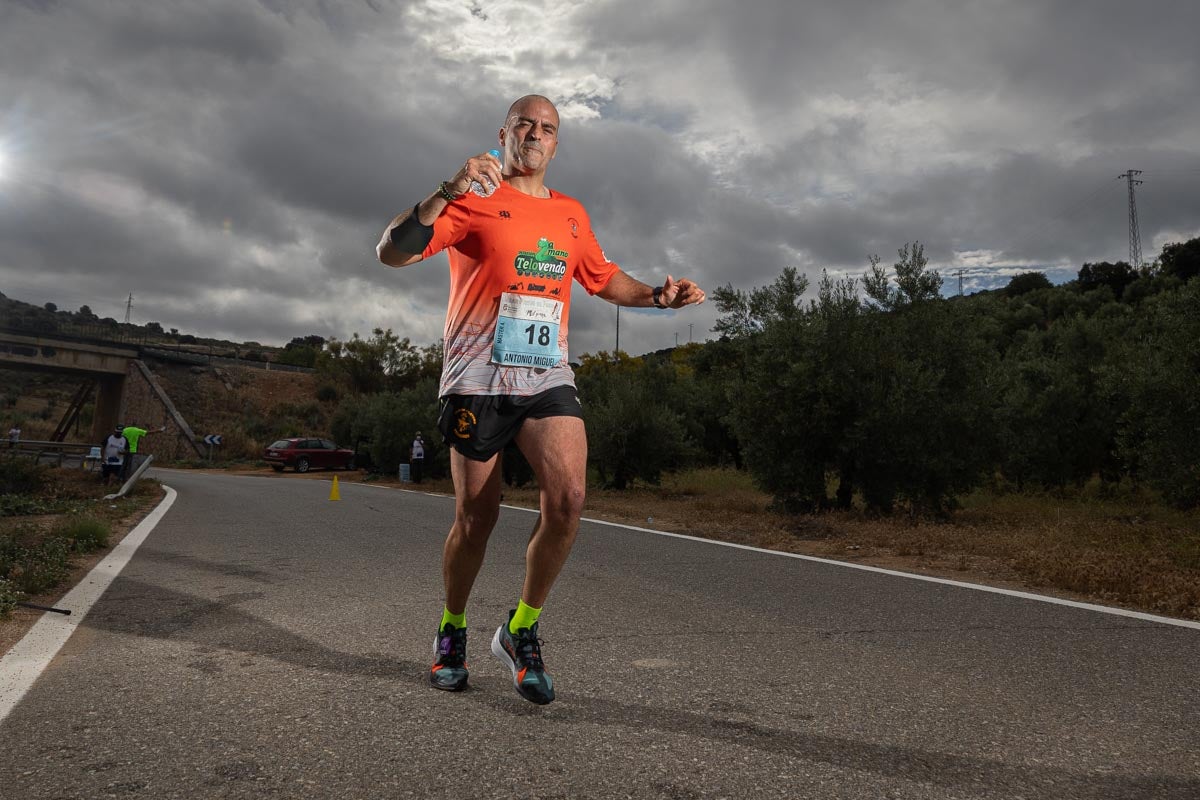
[[556, 448], [476, 507]]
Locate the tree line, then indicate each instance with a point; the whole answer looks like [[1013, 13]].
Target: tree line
[[876, 391]]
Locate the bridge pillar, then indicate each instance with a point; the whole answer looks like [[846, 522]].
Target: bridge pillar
[[109, 389]]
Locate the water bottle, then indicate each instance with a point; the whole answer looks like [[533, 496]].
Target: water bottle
[[485, 189]]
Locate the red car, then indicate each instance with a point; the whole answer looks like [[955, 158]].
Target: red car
[[306, 454]]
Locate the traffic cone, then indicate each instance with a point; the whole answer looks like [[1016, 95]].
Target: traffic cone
[[334, 494]]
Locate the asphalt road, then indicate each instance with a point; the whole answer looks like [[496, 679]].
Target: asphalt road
[[265, 641]]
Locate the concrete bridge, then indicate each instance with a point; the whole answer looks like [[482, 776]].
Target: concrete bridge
[[126, 389]]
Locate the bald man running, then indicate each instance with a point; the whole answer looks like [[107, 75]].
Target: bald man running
[[505, 376]]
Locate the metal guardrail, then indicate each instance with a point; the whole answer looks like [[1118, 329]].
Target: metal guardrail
[[179, 355], [57, 453], [152, 347], [86, 456], [83, 333], [270, 366]]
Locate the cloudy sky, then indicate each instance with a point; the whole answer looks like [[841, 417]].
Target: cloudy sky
[[232, 163]]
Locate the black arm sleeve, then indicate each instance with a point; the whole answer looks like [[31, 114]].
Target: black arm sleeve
[[411, 236]]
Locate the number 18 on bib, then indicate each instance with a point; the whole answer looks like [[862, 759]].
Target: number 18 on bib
[[527, 331]]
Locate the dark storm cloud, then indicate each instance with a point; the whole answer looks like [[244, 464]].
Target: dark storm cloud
[[74, 242], [1119, 80], [224, 157], [635, 181], [226, 150], [783, 51], [236, 35]]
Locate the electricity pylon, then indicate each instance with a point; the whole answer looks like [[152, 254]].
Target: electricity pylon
[[1135, 237]]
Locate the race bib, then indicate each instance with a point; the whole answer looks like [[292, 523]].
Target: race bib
[[527, 331]]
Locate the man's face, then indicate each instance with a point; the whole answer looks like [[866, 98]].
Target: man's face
[[530, 137]]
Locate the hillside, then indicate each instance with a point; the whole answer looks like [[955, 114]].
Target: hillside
[[48, 319], [217, 385], [248, 407]]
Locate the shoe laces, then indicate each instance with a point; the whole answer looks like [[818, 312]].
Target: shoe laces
[[529, 648]]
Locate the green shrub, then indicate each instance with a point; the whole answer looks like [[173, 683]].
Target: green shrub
[[1156, 373], [21, 476], [8, 598], [84, 533], [385, 423], [634, 433], [20, 505], [10, 548]]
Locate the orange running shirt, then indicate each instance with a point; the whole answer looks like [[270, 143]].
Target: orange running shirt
[[514, 244]]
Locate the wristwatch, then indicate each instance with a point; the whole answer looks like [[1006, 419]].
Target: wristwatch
[[657, 297]]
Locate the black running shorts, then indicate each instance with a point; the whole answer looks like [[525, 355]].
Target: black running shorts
[[479, 426]]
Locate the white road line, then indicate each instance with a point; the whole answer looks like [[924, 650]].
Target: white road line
[[1040, 598], [29, 657]]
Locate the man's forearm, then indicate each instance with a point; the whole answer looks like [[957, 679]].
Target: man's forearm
[[428, 210], [625, 290]]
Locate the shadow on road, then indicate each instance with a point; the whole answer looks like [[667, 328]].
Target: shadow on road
[[137, 608]]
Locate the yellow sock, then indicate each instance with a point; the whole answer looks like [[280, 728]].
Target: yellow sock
[[524, 617], [457, 620]]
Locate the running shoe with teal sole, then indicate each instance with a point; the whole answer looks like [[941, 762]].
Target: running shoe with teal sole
[[449, 670], [522, 652]]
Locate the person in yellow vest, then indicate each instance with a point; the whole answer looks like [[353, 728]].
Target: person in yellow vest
[[133, 434]]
